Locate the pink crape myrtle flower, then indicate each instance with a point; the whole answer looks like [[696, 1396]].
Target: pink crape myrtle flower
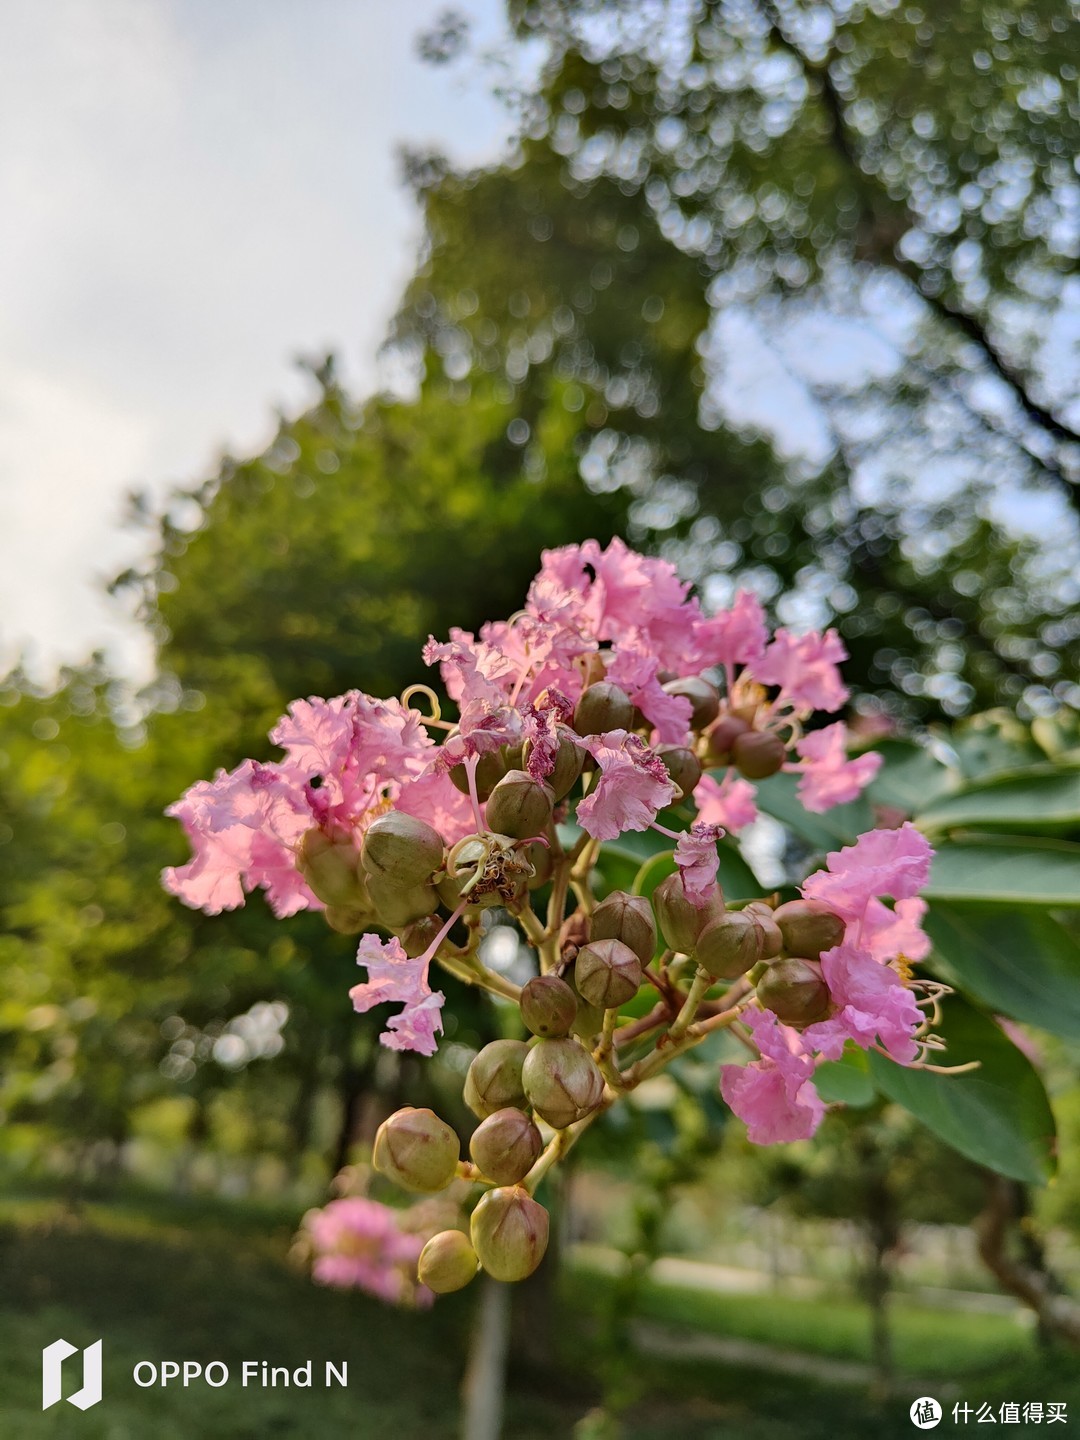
[[698, 860], [728, 803], [881, 862], [394, 978], [805, 669], [632, 787], [357, 1244], [775, 1096], [875, 1005], [734, 637], [828, 777]]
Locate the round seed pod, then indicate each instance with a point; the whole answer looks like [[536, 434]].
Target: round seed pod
[[417, 1149], [562, 1082], [625, 917], [509, 1231], [569, 758], [348, 920], [506, 1146], [681, 921], [770, 940], [416, 938], [730, 946], [401, 849], [704, 699], [607, 973], [758, 755], [721, 736], [603, 707], [548, 1006], [493, 1080], [447, 1262], [519, 806], [332, 870], [682, 765], [397, 906], [808, 927], [467, 854], [795, 991], [490, 768], [539, 857]]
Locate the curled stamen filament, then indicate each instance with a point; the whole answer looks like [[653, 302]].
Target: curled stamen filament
[[430, 696]]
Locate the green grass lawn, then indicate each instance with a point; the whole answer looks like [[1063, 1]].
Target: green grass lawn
[[164, 1277], [927, 1342]]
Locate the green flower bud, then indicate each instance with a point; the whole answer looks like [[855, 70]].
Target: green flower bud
[[332, 870], [769, 938], [795, 991], [493, 1080], [569, 759], [417, 1149], [348, 919], [682, 765], [509, 1232], [548, 1006], [588, 1022], [681, 921], [758, 755], [721, 736], [519, 806], [416, 938], [625, 917], [490, 769], [562, 1081], [447, 1262], [506, 1146], [401, 849], [704, 698], [397, 906], [539, 857], [607, 973], [808, 927], [603, 707], [729, 946]]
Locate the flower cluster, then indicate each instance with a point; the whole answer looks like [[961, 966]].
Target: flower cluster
[[610, 703], [359, 1244]]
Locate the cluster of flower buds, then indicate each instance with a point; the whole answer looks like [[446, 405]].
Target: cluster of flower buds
[[610, 703]]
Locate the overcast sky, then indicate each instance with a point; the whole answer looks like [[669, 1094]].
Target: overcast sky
[[191, 193]]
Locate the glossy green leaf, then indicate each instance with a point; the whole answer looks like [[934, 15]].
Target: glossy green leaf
[[836, 827], [1021, 963], [1038, 798], [909, 778], [1006, 870], [998, 1115], [846, 1081]]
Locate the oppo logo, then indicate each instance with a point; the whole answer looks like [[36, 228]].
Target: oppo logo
[[52, 1374]]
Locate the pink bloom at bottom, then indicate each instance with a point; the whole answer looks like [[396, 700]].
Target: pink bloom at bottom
[[358, 1245], [775, 1096]]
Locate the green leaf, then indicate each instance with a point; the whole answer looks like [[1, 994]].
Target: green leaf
[[839, 826], [1021, 963], [620, 864], [846, 1081], [1006, 870], [910, 777], [1038, 798], [998, 1115]]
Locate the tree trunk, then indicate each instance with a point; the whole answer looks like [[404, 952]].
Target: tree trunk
[[1023, 1275], [484, 1387]]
